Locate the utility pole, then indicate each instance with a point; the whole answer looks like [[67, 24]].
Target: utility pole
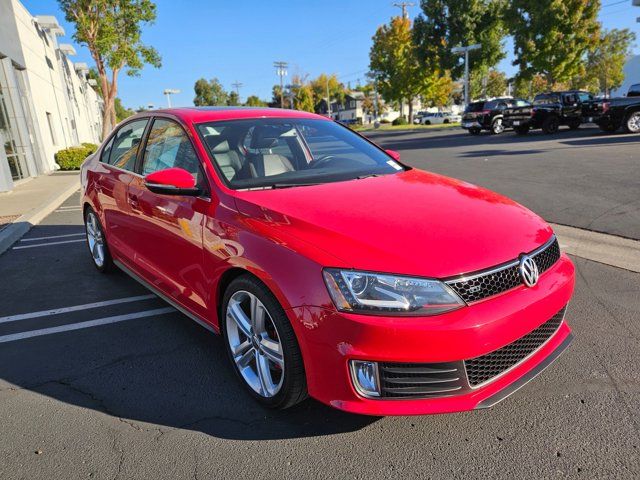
[[237, 86], [281, 71], [403, 6], [328, 99], [465, 51]]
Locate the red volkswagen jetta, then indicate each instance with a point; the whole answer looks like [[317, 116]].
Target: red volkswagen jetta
[[330, 268]]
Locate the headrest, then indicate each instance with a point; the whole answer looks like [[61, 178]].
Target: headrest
[[264, 142], [222, 147]]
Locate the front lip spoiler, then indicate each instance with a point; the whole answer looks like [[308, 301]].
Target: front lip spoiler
[[527, 377]]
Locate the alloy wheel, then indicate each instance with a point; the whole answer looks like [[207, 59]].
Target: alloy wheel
[[633, 124], [95, 239], [255, 344], [498, 127]]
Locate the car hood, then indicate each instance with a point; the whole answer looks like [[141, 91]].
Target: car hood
[[413, 222]]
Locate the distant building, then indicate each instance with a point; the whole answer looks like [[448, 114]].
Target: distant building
[[631, 76], [46, 101]]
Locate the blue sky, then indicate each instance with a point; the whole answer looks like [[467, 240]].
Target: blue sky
[[239, 40]]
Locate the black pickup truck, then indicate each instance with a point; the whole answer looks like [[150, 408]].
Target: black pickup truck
[[612, 113], [548, 112], [488, 114]]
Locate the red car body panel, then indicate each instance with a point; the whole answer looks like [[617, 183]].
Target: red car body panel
[[412, 223]]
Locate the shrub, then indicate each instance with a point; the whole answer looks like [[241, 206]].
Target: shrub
[[92, 147], [399, 121], [71, 158]]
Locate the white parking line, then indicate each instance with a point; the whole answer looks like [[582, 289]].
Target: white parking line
[[78, 209], [47, 244], [52, 236], [91, 323], [69, 207], [75, 308]]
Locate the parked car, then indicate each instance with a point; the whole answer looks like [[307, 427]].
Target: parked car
[[489, 114], [613, 113], [440, 118], [417, 118], [548, 112], [330, 268]]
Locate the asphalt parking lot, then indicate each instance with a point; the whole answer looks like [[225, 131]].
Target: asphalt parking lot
[[115, 384]]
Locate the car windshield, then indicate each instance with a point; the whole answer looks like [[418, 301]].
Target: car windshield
[[475, 107], [546, 99], [288, 152]]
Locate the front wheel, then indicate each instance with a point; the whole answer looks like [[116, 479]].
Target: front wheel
[[262, 345], [427, 122], [97, 243], [632, 124]]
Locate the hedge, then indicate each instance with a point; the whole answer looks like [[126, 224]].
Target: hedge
[[399, 121], [71, 158]]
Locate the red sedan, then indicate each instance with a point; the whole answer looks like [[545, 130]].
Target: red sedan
[[331, 269]]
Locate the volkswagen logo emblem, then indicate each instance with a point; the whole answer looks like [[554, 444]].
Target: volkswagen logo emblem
[[528, 271]]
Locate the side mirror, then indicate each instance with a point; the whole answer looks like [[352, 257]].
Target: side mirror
[[172, 181], [393, 154]]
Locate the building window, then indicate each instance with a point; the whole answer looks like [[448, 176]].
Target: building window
[[51, 130]]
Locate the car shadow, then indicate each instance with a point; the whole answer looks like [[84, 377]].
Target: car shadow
[[157, 373]]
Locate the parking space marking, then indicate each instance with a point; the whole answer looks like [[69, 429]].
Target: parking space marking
[[75, 308], [88, 324], [47, 244], [77, 209], [52, 236]]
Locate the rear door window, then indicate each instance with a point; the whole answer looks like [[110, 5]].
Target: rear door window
[[634, 90]]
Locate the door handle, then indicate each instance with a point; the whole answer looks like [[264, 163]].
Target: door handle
[[133, 201]]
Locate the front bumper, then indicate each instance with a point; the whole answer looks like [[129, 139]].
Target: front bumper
[[330, 339]]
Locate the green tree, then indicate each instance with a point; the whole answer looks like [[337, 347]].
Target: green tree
[[121, 111], [209, 93], [324, 83], [444, 24], [255, 101], [275, 98], [112, 30], [233, 100], [395, 66], [605, 64], [552, 37], [530, 87], [303, 98], [491, 83]]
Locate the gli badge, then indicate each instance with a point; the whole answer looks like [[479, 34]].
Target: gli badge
[[528, 271]]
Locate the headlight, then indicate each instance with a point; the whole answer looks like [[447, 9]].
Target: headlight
[[365, 292]]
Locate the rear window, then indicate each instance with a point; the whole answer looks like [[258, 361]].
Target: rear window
[[634, 90], [546, 99], [475, 107]]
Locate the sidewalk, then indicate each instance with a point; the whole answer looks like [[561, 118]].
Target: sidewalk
[[29, 202]]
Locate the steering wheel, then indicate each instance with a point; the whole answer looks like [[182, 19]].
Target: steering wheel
[[317, 162]]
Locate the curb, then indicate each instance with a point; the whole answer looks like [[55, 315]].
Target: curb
[[19, 227]]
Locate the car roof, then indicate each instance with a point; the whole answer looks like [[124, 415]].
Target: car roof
[[210, 114]]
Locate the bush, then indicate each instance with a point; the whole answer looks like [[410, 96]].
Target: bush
[[399, 121], [71, 158], [92, 147]]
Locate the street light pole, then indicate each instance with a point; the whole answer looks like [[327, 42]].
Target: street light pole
[[168, 92], [465, 51]]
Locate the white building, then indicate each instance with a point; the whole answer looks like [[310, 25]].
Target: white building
[[46, 102], [631, 76]]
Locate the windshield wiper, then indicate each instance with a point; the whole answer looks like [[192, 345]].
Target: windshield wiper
[[290, 185], [368, 175]]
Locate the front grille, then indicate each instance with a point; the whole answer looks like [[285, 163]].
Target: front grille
[[479, 286], [484, 368], [421, 380]]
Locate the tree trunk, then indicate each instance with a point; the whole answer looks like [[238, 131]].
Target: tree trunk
[[411, 111]]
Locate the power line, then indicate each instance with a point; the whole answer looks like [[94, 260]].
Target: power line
[[619, 2]]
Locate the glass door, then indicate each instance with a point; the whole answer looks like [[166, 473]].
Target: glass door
[[16, 159]]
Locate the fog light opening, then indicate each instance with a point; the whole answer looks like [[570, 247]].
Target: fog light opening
[[365, 378]]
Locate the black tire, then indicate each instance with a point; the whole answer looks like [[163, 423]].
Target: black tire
[[575, 125], [474, 131], [551, 125], [294, 385], [107, 265], [608, 127], [521, 130], [497, 126], [446, 122], [427, 122], [632, 123]]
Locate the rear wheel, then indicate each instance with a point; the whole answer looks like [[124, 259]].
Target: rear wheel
[[262, 345], [521, 130], [97, 242], [551, 125], [575, 124], [497, 127], [632, 125]]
